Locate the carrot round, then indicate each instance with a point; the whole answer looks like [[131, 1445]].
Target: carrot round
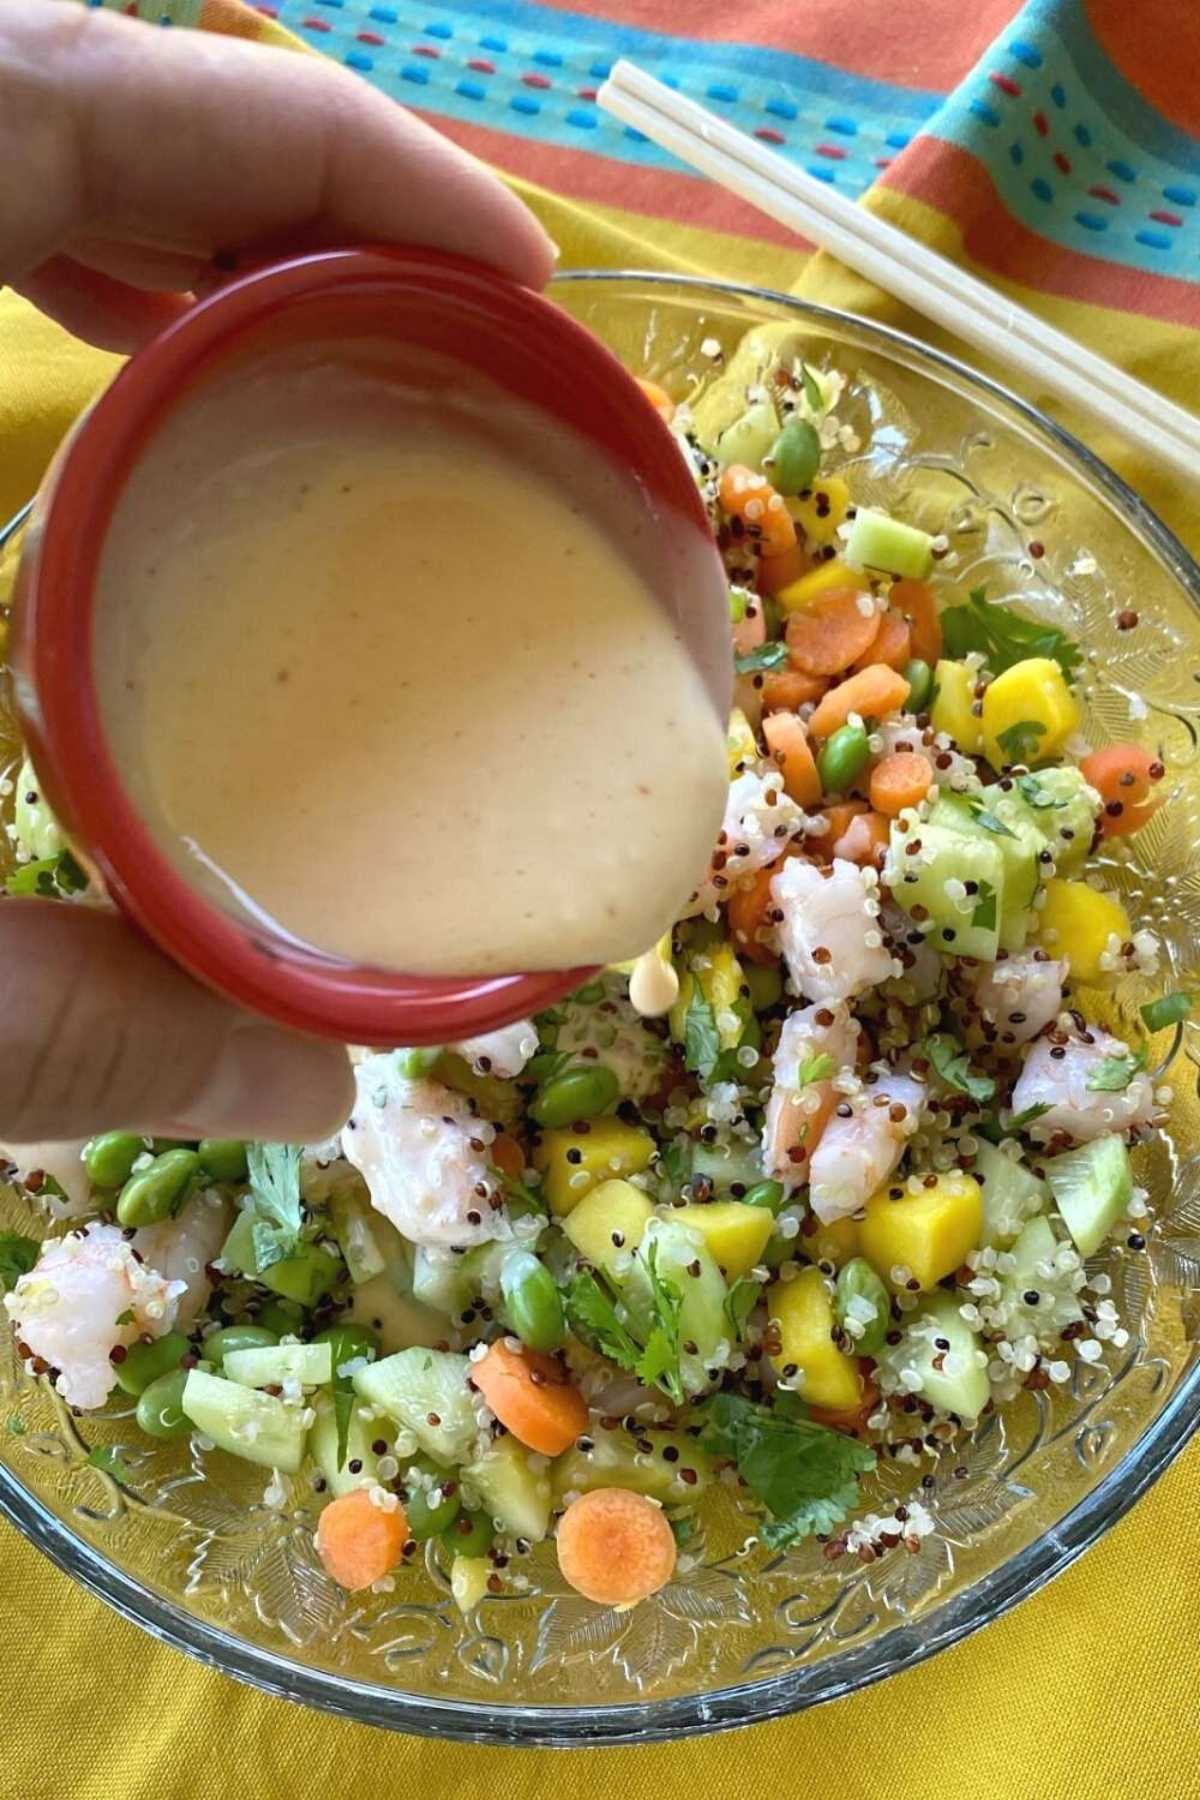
[[838, 815], [893, 642], [775, 572], [658, 397], [832, 633], [865, 840], [748, 496], [899, 780], [358, 1542], [507, 1155], [786, 690], [788, 743], [747, 910], [1124, 776], [531, 1396], [915, 600], [872, 693], [615, 1547]]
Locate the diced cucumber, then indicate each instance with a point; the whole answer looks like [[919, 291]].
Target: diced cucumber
[[1092, 1186], [361, 1465], [681, 1257], [257, 1427], [497, 1099], [1064, 808], [1019, 842], [452, 1284], [469, 1577], [674, 1469], [401, 1322], [1012, 1194], [305, 1277], [749, 438], [270, 1365], [969, 927], [427, 1391], [354, 1227], [877, 542], [514, 1492], [1039, 1290], [953, 1379], [736, 1163]]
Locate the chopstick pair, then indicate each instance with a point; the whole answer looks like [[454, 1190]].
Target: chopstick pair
[[902, 266]]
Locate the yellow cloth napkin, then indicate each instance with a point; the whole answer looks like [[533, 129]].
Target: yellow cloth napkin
[[1088, 1689]]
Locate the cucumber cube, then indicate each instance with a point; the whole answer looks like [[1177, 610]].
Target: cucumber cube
[[877, 542], [1019, 842], [674, 1469], [1092, 1186], [512, 1490], [682, 1259], [305, 1277], [749, 438], [400, 1321], [273, 1364], [360, 1467], [926, 884], [1039, 1290], [953, 1379], [425, 1390], [1012, 1194], [257, 1427]]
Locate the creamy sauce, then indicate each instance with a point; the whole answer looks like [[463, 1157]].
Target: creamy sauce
[[395, 674]]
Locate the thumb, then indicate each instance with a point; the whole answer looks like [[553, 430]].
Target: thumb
[[99, 1032]]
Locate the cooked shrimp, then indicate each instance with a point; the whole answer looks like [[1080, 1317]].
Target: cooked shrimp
[[859, 1151], [760, 822], [504, 1052], [799, 1105], [1020, 996], [423, 1154], [62, 1161], [181, 1249], [86, 1294], [1059, 1076], [830, 932]]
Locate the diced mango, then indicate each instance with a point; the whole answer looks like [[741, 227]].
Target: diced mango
[[735, 1235], [834, 1243], [798, 595], [572, 1162], [608, 1223], [740, 742], [950, 708], [823, 1375], [819, 512], [719, 974], [929, 1233], [1029, 712], [469, 1576], [1078, 922]]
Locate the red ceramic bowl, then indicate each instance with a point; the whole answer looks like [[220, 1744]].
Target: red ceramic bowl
[[449, 306]]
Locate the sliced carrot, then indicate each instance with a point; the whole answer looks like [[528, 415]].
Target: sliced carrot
[[615, 1547], [508, 1156], [747, 910], [786, 690], [916, 601], [775, 572], [531, 1395], [748, 496], [865, 840], [751, 629], [893, 643], [788, 743], [872, 693], [1124, 776], [899, 780], [831, 634], [658, 397], [359, 1542], [855, 1422]]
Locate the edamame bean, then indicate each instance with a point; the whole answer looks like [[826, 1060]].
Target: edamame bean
[[578, 1093], [429, 1516], [471, 1534], [144, 1363], [765, 983], [283, 1317], [919, 677], [224, 1159], [590, 994], [533, 1306], [218, 1344], [157, 1191], [160, 1408], [794, 459], [109, 1158], [858, 1286], [350, 1343], [764, 1193], [843, 759]]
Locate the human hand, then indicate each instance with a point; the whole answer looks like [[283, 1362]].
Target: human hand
[[135, 165]]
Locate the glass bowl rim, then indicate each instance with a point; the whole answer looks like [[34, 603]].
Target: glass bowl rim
[[903, 1645]]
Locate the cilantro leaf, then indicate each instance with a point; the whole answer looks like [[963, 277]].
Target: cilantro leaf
[[701, 1039], [17, 1256], [804, 1474], [675, 1162], [765, 656], [1003, 637], [1035, 795], [950, 1062], [740, 1302], [277, 1214], [660, 1359], [593, 1315], [653, 1355], [816, 1068], [812, 388], [984, 914], [1022, 1120], [50, 878], [1168, 1009], [1114, 1074], [988, 820], [1020, 741]]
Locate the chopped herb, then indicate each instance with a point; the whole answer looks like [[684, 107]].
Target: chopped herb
[[108, 1459], [126, 1317], [17, 1256], [988, 820], [277, 1214], [701, 1039], [1168, 1009], [1035, 795], [593, 1315], [739, 598], [984, 915], [51, 878], [766, 656], [950, 1061], [1020, 742], [1022, 1120], [675, 1162], [660, 1358], [653, 1355], [816, 1068], [804, 1474], [740, 1302], [1003, 637], [812, 388], [1114, 1074]]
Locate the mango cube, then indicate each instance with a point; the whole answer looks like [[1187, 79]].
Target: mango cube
[[820, 511], [1078, 922], [740, 742], [719, 974], [798, 595], [834, 1243], [950, 708], [1029, 712], [735, 1235], [929, 1233], [609, 1222], [808, 1358], [572, 1162]]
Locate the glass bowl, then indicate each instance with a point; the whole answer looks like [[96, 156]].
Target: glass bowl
[[192, 1547]]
